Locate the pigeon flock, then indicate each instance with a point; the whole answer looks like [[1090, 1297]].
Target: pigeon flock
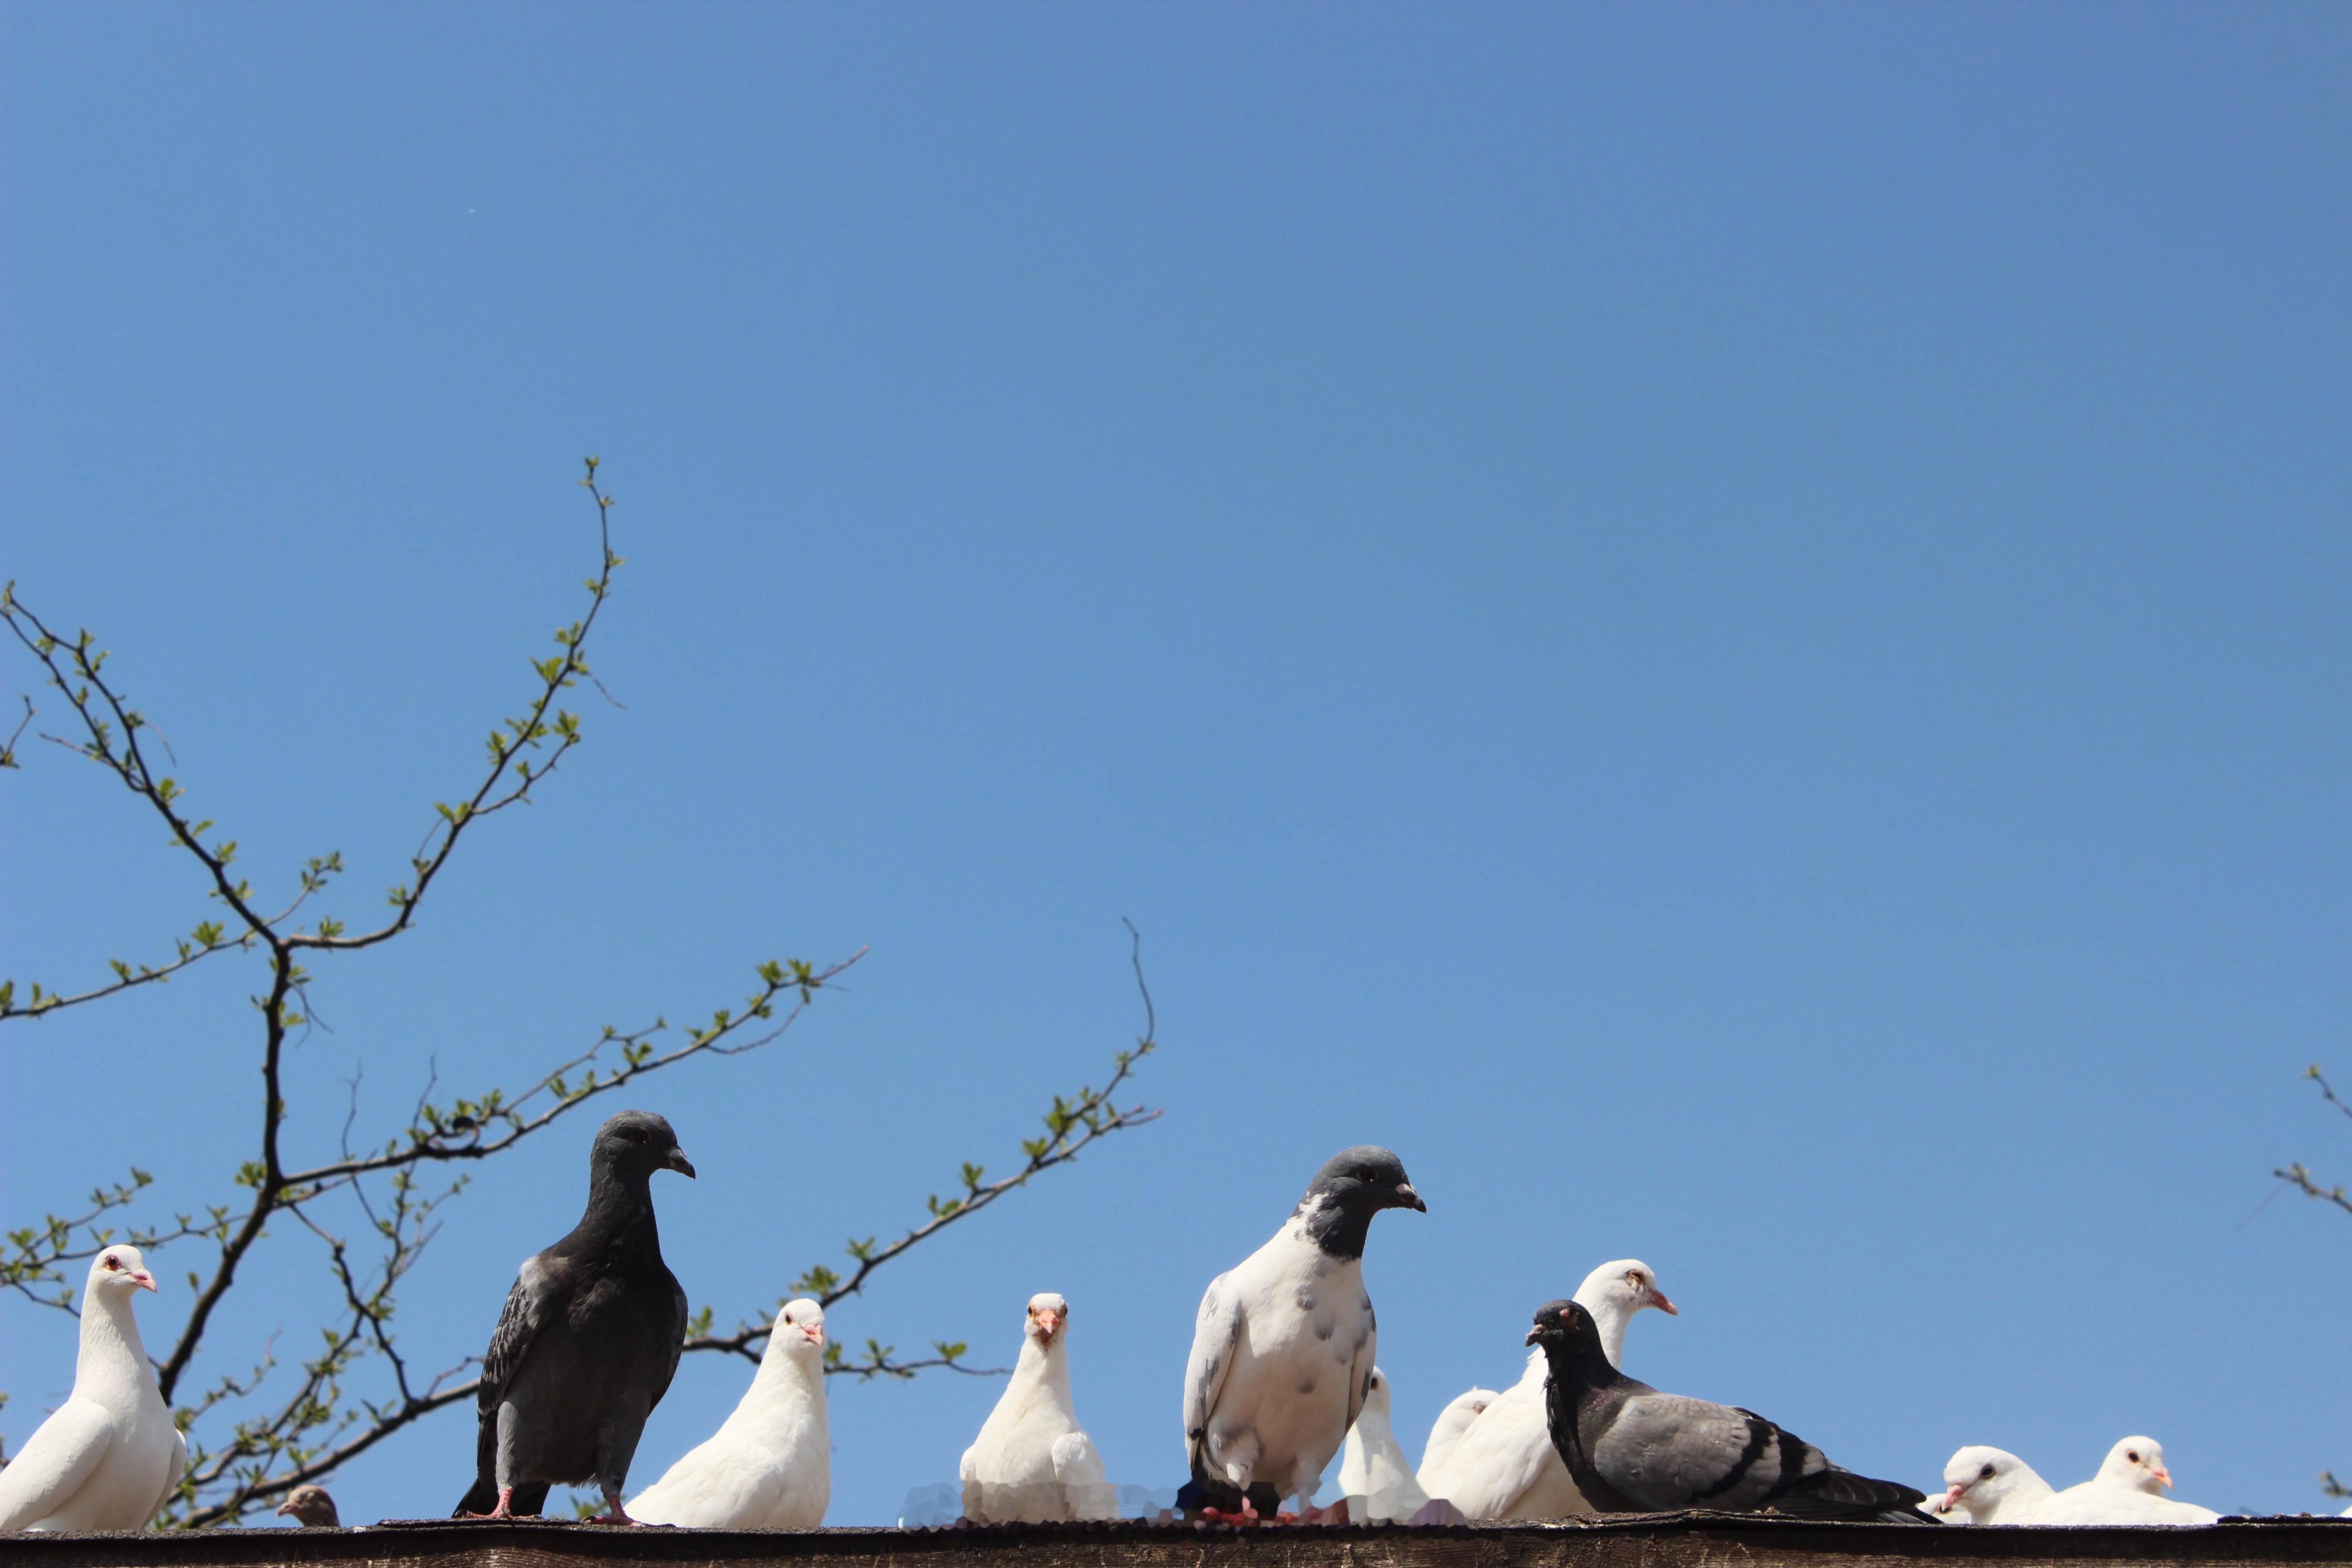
[[1281, 1380]]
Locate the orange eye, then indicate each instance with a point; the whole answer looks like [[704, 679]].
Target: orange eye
[[112, 1261]]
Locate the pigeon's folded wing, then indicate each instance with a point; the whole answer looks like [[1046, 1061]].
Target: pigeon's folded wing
[[1076, 1462], [1216, 1334], [718, 1484], [519, 1321], [1359, 1375], [172, 1472], [63, 1452], [1496, 1461], [1668, 1451]]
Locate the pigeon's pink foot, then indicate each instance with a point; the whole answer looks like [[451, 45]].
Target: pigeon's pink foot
[[505, 1508]]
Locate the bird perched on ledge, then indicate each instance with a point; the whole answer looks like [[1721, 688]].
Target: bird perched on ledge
[[588, 1341], [1032, 1460], [1281, 1350], [108, 1457], [769, 1464], [1632, 1449], [311, 1508]]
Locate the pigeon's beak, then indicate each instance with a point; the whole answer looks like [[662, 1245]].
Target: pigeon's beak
[[284, 1508], [676, 1160], [813, 1333], [1658, 1300], [2163, 1477], [144, 1280], [1533, 1335], [1953, 1494], [1048, 1324], [1409, 1199]]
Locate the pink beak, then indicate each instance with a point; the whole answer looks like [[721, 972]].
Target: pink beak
[[813, 1333], [2163, 1477], [144, 1280], [1658, 1300], [1049, 1324], [1953, 1494]]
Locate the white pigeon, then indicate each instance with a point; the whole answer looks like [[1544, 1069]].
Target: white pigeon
[[2134, 1464], [1445, 1432], [1281, 1350], [109, 1456], [769, 1464], [1373, 1465], [1993, 1485], [1999, 1487], [1505, 1466], [1031, 1461]]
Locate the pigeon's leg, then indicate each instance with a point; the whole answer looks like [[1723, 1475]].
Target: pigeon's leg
[[613, 1512], [505, 1508]]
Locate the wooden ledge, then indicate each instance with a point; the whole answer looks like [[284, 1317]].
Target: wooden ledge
[[1695, 1540]]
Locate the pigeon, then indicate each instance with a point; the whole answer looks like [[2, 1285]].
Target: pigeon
[[1445, 1432], [588, 1341], [1999, 1487], [2134, 1464], [1506, 1466], [311, 1508], [1281, 1350], [769, 1464], [1031, 1461], [1374, 1466], [1993, 1485], [110, 1456], [1633, 1449]]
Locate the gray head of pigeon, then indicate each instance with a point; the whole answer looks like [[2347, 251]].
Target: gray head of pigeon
[[311, 1508], [1569, 1337], [636, 1143], [1352, 1186]]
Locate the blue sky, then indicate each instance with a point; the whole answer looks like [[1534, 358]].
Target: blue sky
[[1723, 624]]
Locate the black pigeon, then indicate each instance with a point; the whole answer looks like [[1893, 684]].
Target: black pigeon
[[589, 1340], [1633, 1449]]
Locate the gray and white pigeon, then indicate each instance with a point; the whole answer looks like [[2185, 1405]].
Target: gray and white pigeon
[[108, 1457], [1445, 1432], [311, 1509], [588, 1341], [769, 1464], [1374, 1466], [1032, 1460], [1632, 1449], [1281, 1350], [1506, 1466]]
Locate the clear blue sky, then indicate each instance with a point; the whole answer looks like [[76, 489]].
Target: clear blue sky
[[1726, 624]]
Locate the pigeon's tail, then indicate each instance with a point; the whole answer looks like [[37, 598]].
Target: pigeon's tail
[[1841, 1494]]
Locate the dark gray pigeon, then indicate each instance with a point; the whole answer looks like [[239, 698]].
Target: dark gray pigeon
[[1281, 1350], [1633, 1449], [589, 1339]]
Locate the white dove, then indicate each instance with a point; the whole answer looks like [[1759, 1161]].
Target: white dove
[[769, 1464], [1445, 1432], [2134, 1464], [1504, 1466], [1032, 1460], [109, 1456], [1999, 1487], [1372, 1465]]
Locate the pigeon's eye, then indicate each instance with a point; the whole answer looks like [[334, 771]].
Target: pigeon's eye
[[1985, 1474], [1364, 1172], [112, 1261], [788, 1317], [638, 1135], [2133, 1455]]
